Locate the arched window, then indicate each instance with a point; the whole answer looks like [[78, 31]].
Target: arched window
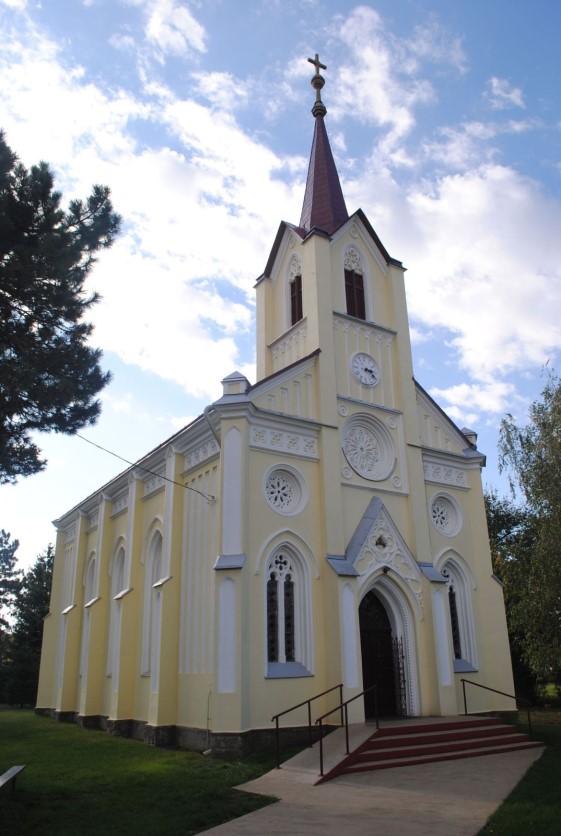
[[68, 586], [117, 587], [296, 300], [354, 284], [89, 596], [89, 581], [288, 615], [152, 606], [295, 289], [461, 616]]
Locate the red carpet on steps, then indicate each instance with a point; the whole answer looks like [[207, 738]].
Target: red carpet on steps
[[418, 742]]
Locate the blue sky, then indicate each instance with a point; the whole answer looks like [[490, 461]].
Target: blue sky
[[445, 121]]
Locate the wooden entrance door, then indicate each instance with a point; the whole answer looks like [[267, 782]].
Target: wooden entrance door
[[378, 658]]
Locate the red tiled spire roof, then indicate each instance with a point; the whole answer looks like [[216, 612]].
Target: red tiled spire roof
[[324, 204]]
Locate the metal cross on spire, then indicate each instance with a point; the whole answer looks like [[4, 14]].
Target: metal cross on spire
[[317, 82]]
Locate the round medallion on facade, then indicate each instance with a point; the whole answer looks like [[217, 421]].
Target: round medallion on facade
[[365, 369], [284, 490], [445, 515], [368, 447]]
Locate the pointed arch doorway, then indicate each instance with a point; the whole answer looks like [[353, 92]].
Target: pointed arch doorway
[[383, 661]]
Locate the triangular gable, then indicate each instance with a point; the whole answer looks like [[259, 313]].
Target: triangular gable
[[284, 226], [443, 434], [377, 544]]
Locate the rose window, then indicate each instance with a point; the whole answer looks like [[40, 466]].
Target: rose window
[[283, 491], [445, 515], [362, 449], [368, 447]]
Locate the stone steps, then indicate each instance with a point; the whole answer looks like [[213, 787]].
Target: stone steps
[[418, 743]]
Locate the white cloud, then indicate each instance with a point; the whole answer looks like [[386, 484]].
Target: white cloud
[[20, 5], [466, 400], [193, 217], [432, 42], [463, 146], [501, 94], [122, 41], [369, 85], [222, 90], [171, 28], [484, 258]]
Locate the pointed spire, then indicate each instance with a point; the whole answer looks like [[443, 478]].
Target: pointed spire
[[324, 204]]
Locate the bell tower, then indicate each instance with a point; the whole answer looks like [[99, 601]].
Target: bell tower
[[330, 287]]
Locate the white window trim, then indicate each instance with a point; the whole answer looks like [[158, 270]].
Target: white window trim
[[303, 648], [463, 582]]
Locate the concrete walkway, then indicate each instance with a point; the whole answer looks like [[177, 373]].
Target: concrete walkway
[[450, 798]]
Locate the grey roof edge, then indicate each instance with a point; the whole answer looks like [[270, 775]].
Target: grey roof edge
[[361, 531], [230, 561], [118, 481], [341, 566], [431, 574]]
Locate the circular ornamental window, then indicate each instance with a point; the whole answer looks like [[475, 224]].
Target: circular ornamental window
[[368, 447], [445, 515], [284, 491]]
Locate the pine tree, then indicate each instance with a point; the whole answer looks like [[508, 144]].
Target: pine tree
[[49, 375], [24, 652], [10, 577]]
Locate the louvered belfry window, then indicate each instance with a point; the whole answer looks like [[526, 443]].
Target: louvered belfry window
[[296, 300], [354, 292]]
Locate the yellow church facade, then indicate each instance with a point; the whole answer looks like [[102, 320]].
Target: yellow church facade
[[324, 525]]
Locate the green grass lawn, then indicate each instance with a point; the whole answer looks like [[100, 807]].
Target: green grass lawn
[[534, 806], [81, 782]]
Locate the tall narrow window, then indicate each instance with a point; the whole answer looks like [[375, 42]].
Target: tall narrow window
[[456, 641], [462, 625], [296, 300], [272, 619], [354, 293], [288, 622], [152, 607], [117, 586], [280, 610], [289, 618]]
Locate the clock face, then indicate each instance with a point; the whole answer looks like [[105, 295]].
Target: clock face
[[364, 368]]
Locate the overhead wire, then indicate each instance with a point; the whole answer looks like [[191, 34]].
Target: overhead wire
[[208, 497]]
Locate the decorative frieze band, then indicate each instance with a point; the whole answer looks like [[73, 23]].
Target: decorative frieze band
[[445, 474], [70, 533], [120, 502], [153, 483], [201, 453], [284, 442]]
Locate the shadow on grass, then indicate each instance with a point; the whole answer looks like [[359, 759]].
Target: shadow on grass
[[534, 806], [86, 782]]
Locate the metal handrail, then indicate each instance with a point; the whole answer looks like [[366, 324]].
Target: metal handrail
[[503, 694], [275, 718], [344, 708]]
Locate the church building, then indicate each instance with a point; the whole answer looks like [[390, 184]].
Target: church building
[[323, 525]]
